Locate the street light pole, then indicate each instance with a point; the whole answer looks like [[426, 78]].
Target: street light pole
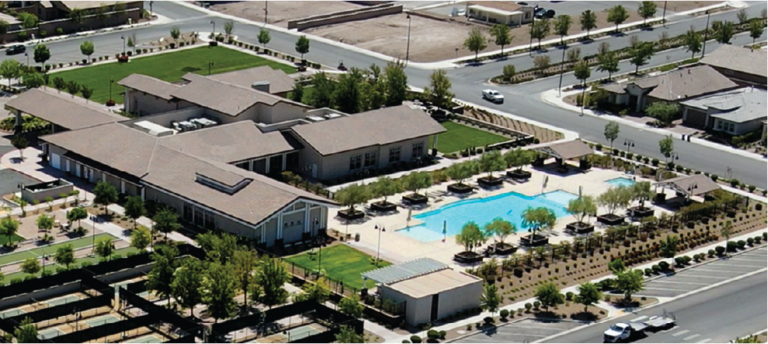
[[266, 5], [213, 33], [210, 64], [664, 15], [408, 42], [123, 38], [111, 81], [27, 55], [562, 71], [629, 143], [706, 36]]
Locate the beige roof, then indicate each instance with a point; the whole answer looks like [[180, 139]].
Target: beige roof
[[261, 197], [567, 150], [434, 283], [62, 109], [90, 4], [680, 84], [738, 59], [224, 97], [115, 145], [279, 82], [150, 85], [376, 127], [229, 143], [506, 6], [696, 184]]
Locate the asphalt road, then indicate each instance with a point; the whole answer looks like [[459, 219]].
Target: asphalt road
[[526, 331], [717, 315], [522, 100]]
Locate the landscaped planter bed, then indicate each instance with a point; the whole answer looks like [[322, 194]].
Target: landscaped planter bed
[[610, 219], [416, 199], [490, 182], [580, 227], [468, 257], [460, 189], [503, 249], [538, 240], [641, 212], [349, 216], [384, 207], [519, 174]]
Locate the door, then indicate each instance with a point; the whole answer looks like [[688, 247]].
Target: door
[[78, 171], [435, 304], [66, 165], [56, 161]]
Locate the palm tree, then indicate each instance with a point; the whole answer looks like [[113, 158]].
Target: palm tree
[[490, 299], [726, 231]]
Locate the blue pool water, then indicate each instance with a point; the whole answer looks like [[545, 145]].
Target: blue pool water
[[621, 181], [509, 206]]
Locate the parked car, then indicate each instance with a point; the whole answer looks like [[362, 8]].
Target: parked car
[[543, 13], [15, 49], [493, 96]]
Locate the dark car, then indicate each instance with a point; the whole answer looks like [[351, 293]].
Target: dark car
[[543, 13], [16, 49]]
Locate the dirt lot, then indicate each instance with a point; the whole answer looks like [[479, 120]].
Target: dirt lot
[[280, 12], [388, 34]]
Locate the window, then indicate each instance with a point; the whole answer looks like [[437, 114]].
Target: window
[[209, 222], [370, 159], [418, 150], [731, 127], [719, 124], [355, 162], [187, 212], [199, 216], [394, 154]]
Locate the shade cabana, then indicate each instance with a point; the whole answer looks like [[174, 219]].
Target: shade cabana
[[563, 151], [695, 185]]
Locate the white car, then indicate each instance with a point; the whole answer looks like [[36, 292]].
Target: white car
[[493, 96]]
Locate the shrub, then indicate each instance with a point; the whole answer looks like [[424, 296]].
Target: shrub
[[741, 244], [504, 313], [60, 269], [734, 182], [536, 304], [85, 264], [408, 341], [432, 334], [656, 269], [29, 277], [648, 271], [569, 296], [599, 147], [16, 280], [663, 265], [720, 250], [655, 162], [415, 339], [758, 240], [711, 253], [46, 273], [731, 246], [528, 307], [442, 334], [488, 320], [750, 241]]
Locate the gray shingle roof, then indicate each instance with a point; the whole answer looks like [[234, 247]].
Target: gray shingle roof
[[229, 143], [567, 150], [680, 84], [224, 97], [376, 127], [740, 106], [738, 59], [699, 184], [279, 82], [62, 109], [150, 85], [404, 271]]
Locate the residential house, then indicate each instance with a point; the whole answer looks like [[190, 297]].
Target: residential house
[[735, 113], [674, 86], [493, 12], [744, 66], [365, 141]]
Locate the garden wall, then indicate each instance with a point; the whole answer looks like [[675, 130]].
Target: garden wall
[[345, 16], [68, 26]]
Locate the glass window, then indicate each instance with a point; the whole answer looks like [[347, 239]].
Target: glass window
[[370, 159], [209, 222], [355, 162], [199, 216], [418, 150], [719, 124], [394, 154], [187, 212]]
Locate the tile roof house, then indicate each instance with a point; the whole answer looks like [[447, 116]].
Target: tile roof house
[[735, 113], [744, 66], [673, 86]]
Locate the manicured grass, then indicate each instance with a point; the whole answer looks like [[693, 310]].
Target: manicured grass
[[14, 238], [459, 137], [51, 265], [96, 259], [51, 250], [341, 263], [167, 66]]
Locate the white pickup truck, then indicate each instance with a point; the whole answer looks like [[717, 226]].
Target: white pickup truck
[[493, 96], [620, 332]]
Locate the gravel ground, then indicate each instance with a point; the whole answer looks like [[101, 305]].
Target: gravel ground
[[280, 12]]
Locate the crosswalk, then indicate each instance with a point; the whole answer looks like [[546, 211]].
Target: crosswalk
[[691, 338]]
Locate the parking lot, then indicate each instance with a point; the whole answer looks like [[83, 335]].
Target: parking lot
[[706, 275], [526, 331]]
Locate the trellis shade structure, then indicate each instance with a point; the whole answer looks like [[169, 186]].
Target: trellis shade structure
[[695, 185], [566, 150], [400, 272]]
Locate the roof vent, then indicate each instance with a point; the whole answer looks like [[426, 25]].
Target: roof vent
[[262, 86], [221, 186]]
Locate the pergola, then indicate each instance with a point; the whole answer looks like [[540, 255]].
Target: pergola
[[695, 185], [566, 150]]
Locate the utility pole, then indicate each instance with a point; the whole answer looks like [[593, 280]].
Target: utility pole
[[266, 6], [408, 42], [562, 71], [664, 15], [706, 36]]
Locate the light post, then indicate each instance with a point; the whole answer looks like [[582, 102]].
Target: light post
[[266, 5], [213, 33], [123, 38], [706, 36], [27, 55], [457, 52], [692, 187], [408, 42], [378, 246], [664, 15], [583, 101], [629, 144], [210, 64], [151, 12], [111, 81], [562, 71]]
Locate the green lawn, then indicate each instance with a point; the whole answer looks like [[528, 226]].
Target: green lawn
[[51, 249], [51, 265], [459, 137], [14, 238], [168, 66], [340, 262]]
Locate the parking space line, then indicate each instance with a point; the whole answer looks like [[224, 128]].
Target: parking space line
[[704, 340], [743, 265], [757, 258], [533, 327], [670, 289], [691, 337], [721, 271], [673, 282], [638, 319], [681, 333], [700, 276]]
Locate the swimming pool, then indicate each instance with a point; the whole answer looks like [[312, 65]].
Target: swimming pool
[[621, 181], [509, 206]]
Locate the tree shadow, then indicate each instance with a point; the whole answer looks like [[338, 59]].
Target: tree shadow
[[190, 69]]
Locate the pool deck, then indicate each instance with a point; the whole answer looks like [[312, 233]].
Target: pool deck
[[398, 248]]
